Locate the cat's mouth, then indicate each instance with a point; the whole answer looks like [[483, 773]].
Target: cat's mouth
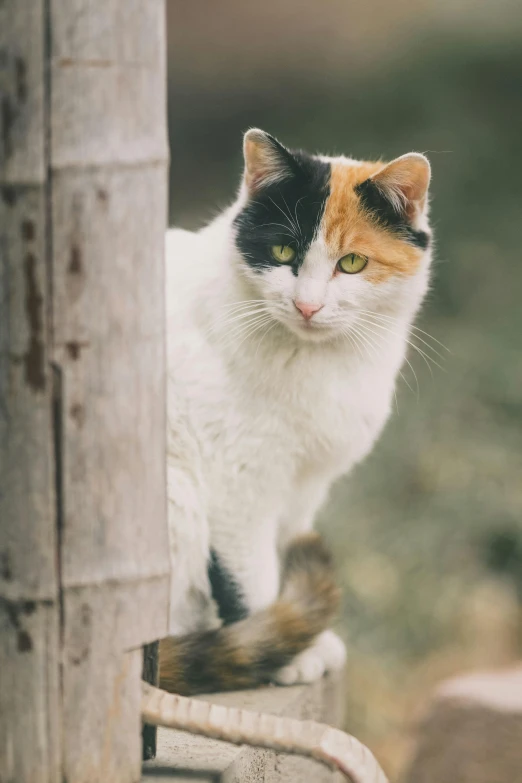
[[310, 329]]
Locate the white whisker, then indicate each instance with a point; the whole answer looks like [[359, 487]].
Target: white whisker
[[232, 337], [400, 335], [241, 303], [270, 327], [281, 225], [243, 319], [294, 222], [290, 226], [413, 327], [351, 337], [417, 337], [249, 332], [236, 316], [402, 375], [405, 357], [241, 310], [371, 345], [296, 218]]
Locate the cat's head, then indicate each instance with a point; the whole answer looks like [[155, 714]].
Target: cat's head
[[325, 241]]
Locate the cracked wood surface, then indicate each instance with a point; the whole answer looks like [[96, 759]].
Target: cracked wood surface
[[83, 541]]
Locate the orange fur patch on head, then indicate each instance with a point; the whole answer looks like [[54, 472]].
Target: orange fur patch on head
[[348, 228]]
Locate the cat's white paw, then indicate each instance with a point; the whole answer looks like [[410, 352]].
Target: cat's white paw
[[328, 653]]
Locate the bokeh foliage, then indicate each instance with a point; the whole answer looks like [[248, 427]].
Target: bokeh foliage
[[428, 531]]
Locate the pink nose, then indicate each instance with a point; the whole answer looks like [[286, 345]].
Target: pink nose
[[307, 310]]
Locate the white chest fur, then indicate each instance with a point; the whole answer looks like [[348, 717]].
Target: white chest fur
[[282, 358], [268, 411], [259, 426]]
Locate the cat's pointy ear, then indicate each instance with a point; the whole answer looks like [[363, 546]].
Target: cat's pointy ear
[[404, 183], [266, 160]]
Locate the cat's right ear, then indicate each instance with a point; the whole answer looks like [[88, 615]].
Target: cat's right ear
[[266, 160]]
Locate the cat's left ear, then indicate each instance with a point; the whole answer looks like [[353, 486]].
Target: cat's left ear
[[404, 183], [266, 160]]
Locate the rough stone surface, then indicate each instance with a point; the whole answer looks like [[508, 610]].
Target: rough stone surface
[[183, 758], [473, 732]]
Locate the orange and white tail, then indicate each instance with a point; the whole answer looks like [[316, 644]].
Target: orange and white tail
[[250, 652]]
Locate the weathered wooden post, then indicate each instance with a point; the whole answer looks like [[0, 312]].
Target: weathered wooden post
[[83, 537]]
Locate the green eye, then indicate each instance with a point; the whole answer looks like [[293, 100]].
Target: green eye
[[352, 263], [283, 254]]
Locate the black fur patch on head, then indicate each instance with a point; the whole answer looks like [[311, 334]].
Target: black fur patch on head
[[385, 214], [225, 591], [286, 212]]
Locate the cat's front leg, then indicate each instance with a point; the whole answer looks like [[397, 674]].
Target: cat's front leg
[[244, 571], [328, 651]]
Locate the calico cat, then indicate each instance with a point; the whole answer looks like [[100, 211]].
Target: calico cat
[[288, 319]]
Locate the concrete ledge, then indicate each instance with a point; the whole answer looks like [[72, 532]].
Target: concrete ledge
[[183, 758]]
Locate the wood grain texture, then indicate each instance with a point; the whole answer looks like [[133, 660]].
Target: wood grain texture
[[29, 693], [29, 609], [109, 196], [84, 569]]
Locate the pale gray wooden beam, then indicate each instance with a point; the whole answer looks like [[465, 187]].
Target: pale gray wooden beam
[[30, 723], [83, 537]]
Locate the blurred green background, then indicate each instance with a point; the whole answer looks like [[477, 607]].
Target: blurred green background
[[428, 531]]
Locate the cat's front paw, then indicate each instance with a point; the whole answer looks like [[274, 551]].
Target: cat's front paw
[[328, 653]]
